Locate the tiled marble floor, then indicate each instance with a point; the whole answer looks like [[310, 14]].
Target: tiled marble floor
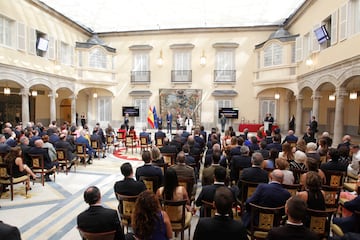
[[50, 212]]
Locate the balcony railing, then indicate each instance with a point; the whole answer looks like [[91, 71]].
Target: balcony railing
[[225, 76], [181, 76], [140, 76]]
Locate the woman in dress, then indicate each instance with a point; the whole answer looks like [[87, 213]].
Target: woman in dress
[[19, 169], [313, 195], [149, 222]]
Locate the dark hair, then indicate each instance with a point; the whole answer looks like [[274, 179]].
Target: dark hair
[[216, 157], [180, 157], [146, 156], [274, 153], [296, 208], [92, 195], [145, 215], [126, 169], [45, 138], [186, 148], [223, 199], [313, 181], [220, 174], [12, 155], [334, 154], [312, 164], [343, 151], [170, 183], [241, 141]]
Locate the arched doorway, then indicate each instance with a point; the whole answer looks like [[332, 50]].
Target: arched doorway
[[65, 110]]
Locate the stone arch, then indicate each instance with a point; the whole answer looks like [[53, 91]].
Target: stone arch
[[346, 75], [13, 77]]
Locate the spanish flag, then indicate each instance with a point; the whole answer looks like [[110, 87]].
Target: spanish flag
[[150, 117]]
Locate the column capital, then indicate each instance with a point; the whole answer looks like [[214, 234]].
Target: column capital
[[316, 95], [299, 97], [24, 92], [341, 92]]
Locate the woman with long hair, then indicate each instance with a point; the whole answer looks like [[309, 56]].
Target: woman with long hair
[[149, 222], [313, 195], [287, 152], [19, 169]]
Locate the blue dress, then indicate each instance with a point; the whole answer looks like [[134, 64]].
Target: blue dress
[[160, 230]]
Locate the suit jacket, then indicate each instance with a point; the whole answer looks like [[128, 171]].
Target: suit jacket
[[219, 227], [290, 138], [275, 145], [254, 174], [149, 170], [4, 148], [168, 149], [9, 232], [159, 134], [129, 187], [25, 154], [333, 166], [207, 193], [184, 171], [208, 174], [98, 219], [239, 162], [291, 232]]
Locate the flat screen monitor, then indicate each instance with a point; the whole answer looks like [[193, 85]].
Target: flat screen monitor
[[321, 34], [229, 112], [43, 44], [132, 111]]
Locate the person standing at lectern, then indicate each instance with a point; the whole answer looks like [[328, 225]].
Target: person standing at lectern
[[270, 120], [222, 122], [126, 121], [169, 121]]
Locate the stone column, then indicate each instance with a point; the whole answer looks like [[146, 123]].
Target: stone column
[[286, 110], [298, 117], [339, 116], [73, 109], [316, 101], [25, 114], [52, 97]]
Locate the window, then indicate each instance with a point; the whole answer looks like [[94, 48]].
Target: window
[[273, 55], [51, 53], [7, 31], [21, 36], [343, 18], [293, 55], [97, 58], [225, 65], [307, 45], [181, 66], [66, 54], [104, 109], [143, 105], [267, 106], [140, 72], [354, 17]]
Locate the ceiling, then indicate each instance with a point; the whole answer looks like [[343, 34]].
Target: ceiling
[[121, 15]]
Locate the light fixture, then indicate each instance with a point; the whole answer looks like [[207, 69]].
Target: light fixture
[[160, 60], [309, 61], [7, 91], [353, 95], [203, 59], [277, 96], [332, 97], [34, 93], [95, 95]]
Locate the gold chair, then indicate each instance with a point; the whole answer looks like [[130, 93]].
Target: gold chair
[[297, 174], [144, 143], [332, 196], [169, 158], [159, 141], [179, 220], [320, 221], [163, 166], [62, 159], [246, 191], [151, 183], [96, 146], [38, 166], [209, 208], [6, 178], [293, 189], [97, 236], [110, 141], [335, 178], [81, 152], [121, 137], [130, 143], [188, 184], [126, 208], [263, 219]]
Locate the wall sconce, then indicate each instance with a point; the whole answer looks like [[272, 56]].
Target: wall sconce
[[203, 59], [309, 61], [160, 60], [34, 93], [7, 91], [332, 97], [353, 96], [277, 96], [95, 95], [56, 95]]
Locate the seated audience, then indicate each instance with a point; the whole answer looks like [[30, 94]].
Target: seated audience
[[156, 156], [96, 218], [9, 232], [283, 166], [294, 229], [312, 166], [149, 170], [128, 186], [221, 226], [353, 167], [333, 163], [313, 195], [299, 161], [311, 151], [348, 224]]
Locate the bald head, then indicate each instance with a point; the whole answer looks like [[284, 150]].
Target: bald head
[[39, 143], [277, 175], [216, 147]]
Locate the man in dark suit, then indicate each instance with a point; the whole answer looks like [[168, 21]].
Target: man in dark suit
[[96, 218], [4, 148], [290, 138], [81, 139], [9, 232], [221, 226], [270, 194], [275, 144], [295, 209], [168, 148], [39, 150], [25, 148], [240, 162], [199, 138], [149, 170], [145, 134], [97, 136], [63, 144], [348, 224], [160, 133]]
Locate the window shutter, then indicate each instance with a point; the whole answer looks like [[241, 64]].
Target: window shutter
[[21, 32], [343, 22], [315, 43], [298, 49], [334, 28], [32, 41]]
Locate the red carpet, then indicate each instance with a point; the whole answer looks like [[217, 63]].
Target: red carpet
[[121, 154]]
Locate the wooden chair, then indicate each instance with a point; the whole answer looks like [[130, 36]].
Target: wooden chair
[[110, 141], [62, 159], [96, 146], [151, 183], [121, 137], [97, 236], [6, 178], [178, 222], [209, 208], [169, 158], [163, 166], [130, 143], [297, 174], [159, 141], [247, 190], [293, 189], [335, 178], [263, 219], [126, 207], [320, 221], [38, 166], [332, 196], [81, 152], [188, 184], [144, 143]]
